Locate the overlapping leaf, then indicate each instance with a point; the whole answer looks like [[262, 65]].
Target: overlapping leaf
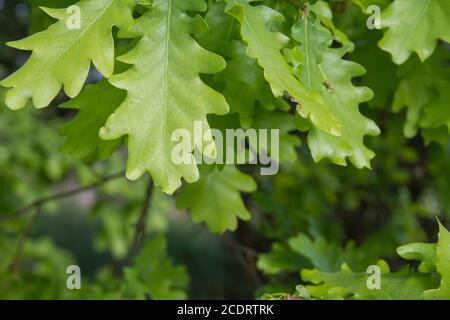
[[265, 46], [430, 281], [244, 83], [165, 92], [323, 70], [221, 28], [434, 257], [83, 131], [318, 253], [286, 144], [62, 54]]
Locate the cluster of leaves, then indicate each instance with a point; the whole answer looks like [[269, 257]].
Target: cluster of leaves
[[328, 281], [292, 65], [268, 58], [275, 66]]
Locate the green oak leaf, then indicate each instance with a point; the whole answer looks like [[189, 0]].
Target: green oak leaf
[[442, 266], [323, 70], [323, 255], [62, 54], [439, 136], [216, 200], [414, 93], [281, 259], [323, 11], [376, 62], [405, 284], [265, 46], [164, 92], [415, 26], [221, 28], [364, 4], [345, 284], [424, 252], [328, 256], [154, 274], [82, 133], [39, 20], [424, 92], [437, 112]]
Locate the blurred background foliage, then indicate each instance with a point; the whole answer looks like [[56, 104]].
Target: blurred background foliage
[[308, 212]]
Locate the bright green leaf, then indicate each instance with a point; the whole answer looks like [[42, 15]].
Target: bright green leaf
[[323, 70], [62, 54], [165, 92], [265, 46]]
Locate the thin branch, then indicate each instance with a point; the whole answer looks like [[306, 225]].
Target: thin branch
[[60, 195], [246, 256], [246, 251], [15, 264], [140, 226]]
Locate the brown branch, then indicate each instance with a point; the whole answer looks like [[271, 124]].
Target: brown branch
[[140, 226], [246, 256], [57, 196], [15, 264]]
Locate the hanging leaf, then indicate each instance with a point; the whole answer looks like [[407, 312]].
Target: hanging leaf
[[164, 92]]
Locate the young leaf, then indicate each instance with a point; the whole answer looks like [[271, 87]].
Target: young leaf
[[165, 92], [442, 266], [62, 54]]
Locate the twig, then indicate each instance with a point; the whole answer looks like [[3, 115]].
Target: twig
[[246, 256], [14, 266], [140, 226], [246, 251], [57, 196]]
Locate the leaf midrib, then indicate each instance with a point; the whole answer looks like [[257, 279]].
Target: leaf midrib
[[81, 34], [166, 71]]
